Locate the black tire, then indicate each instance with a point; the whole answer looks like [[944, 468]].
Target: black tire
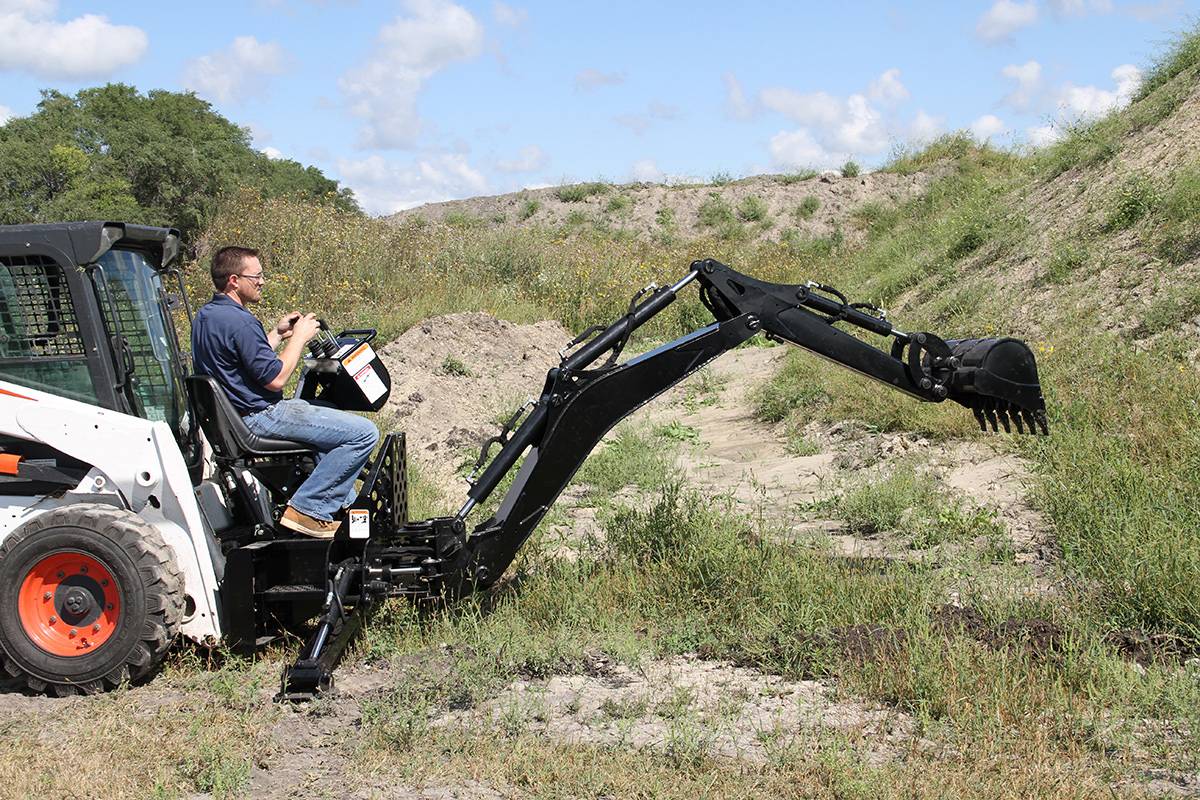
[[144, 574]]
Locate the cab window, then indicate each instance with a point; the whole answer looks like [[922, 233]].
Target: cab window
[[40, 344]]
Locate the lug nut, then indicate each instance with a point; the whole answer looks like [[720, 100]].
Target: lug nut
[[47, 596], [53, 620], [60, 574], [83, 569], [74, 632], [104, 582], [96, 628]]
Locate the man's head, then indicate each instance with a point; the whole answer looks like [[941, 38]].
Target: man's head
[[237, 272]]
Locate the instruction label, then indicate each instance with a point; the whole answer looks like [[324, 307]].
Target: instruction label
[[362, 356], [368, 381], [360, 523]]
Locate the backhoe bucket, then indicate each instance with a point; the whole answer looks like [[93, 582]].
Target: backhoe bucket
[[998, 380]]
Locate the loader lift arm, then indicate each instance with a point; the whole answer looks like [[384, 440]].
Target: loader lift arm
[[580, 402]]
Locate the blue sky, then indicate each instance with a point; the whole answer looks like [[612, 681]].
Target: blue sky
[[411, 101]]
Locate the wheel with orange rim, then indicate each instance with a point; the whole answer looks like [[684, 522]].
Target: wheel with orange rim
[[69, 603], [91, 599]]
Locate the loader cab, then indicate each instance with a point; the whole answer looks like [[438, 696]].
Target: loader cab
[[86, 313]]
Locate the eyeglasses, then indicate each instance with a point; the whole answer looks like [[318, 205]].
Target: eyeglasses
[[259, 278]]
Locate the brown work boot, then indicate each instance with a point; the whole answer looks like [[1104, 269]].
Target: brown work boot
[[309, 526]]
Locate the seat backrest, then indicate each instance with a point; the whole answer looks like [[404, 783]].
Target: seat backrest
[[224, 428], [215, 414]]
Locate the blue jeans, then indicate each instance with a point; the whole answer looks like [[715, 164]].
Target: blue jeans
[[343, 443]]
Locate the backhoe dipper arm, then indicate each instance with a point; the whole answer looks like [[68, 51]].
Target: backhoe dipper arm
[[579, 404]]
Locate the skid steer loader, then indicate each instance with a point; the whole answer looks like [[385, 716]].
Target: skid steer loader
[[137, 508]]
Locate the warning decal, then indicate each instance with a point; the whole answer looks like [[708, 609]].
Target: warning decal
[[360, 523]]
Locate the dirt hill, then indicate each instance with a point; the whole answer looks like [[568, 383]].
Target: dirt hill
[[761, 207]]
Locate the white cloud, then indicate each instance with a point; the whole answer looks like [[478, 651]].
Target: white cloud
[[736, 104], [1043, 135], [1079, 8], [385, 187], [408, 51], [509, 15], [924, 128], [530, 159], [588, 79], [1091, 102], [862, 129], [1029, 81], [641, 121], [272, 153], [1004, 18], [986, 127], [5, 115], [813, 108], [236, 73], [832, 127], [799, 150], [88, 46], [888, 89], [646, 170]]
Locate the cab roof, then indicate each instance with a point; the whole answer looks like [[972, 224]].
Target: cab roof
[[85, 242]]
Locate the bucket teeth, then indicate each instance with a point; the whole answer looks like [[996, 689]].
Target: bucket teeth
[[1016, 418], [990, 414], [978, 412]]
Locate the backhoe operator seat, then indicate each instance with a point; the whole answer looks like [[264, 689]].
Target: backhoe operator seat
[[223, 426]]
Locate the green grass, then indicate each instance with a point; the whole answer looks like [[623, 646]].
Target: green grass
[[752, 208], [528, 209], [792, 178], [620, 203], [909, 501], [1135, 198], [1178, 236], [718, 215], [453, 366], [808, 206], [851, 169], [1180, 59], [578, 192], [463, 219]]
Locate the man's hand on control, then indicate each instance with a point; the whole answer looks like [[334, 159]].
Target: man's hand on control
[[305, 327], [285, 324]]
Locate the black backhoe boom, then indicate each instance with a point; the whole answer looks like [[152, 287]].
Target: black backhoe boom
[[582, 400]]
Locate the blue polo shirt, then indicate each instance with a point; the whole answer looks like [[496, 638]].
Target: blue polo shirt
[[230, 344]]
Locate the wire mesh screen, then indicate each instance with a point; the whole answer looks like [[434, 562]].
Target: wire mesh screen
[[131, 306], [36, 315]]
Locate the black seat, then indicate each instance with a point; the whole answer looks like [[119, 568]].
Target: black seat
[[223, 426]]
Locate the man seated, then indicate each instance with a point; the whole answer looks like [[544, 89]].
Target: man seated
[[230, 344]]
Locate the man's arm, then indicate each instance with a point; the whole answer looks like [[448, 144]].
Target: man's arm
[[303, 328]]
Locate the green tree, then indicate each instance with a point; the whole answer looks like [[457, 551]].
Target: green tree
[[160, 158]]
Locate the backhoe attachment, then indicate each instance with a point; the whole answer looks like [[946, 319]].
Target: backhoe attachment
[[591, 390]]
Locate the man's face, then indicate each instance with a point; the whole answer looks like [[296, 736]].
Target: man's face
[[249, 280]]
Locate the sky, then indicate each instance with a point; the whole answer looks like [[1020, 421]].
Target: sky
[[415, 101]]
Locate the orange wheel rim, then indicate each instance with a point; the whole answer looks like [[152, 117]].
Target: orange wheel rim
[[69, 604]]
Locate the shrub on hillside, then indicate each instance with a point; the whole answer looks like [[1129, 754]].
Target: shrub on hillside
[[578, 192]]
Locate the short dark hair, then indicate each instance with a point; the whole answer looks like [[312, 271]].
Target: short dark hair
[[227, 261]]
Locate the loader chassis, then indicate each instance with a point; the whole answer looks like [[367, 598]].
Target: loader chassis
[[100, 436]]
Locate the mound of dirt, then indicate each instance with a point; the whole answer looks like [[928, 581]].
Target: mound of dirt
[[453, 376]]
